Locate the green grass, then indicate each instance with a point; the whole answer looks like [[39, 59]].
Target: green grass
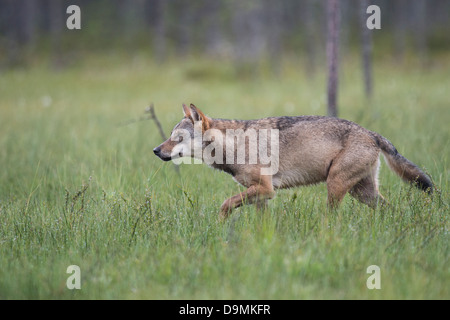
[[77, 188]]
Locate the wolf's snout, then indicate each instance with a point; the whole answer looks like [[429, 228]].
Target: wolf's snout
[[158, 152]]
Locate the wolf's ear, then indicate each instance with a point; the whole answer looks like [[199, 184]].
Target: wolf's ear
[[186, 111], [197, 115]]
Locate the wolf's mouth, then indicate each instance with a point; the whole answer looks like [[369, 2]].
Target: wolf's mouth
[[164, 158]]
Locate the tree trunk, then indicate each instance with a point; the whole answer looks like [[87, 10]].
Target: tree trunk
[[366, 49], [332, 55]]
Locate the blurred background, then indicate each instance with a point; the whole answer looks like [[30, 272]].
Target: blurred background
[[245, 32]]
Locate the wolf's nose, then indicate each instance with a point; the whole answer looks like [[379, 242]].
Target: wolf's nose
[[157, 151]]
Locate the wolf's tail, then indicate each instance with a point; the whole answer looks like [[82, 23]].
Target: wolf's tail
[[404, 168]]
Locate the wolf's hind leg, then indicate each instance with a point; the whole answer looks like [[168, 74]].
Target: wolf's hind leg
[[366, 191], [353, 172]]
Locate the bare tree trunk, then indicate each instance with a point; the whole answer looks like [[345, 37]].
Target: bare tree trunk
[[366, 49], [332, 55]]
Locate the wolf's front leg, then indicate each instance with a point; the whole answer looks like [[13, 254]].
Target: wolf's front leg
[[258, 193]]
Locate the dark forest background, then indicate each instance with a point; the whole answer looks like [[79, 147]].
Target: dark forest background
[[242, 31]]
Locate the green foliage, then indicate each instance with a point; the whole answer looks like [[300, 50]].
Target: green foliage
[[78, 187]]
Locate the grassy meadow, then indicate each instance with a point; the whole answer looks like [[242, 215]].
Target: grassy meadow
[[79, 185]]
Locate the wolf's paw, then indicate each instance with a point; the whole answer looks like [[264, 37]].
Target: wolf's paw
[[225, 209]]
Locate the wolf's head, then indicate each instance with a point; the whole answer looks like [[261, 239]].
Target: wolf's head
[[180, 143]]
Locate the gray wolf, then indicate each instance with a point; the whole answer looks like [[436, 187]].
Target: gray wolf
[[311, 149]]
